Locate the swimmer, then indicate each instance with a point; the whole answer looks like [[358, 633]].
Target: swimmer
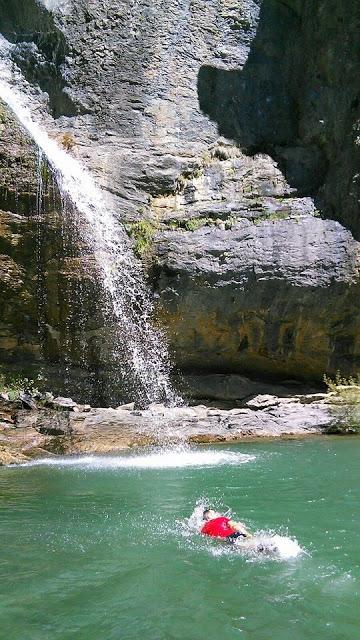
[[218, 526]]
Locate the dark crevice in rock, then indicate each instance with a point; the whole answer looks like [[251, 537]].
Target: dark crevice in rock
[[37, 69]]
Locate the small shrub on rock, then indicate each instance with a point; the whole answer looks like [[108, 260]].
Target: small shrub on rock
[[13, 387], [67, 140]]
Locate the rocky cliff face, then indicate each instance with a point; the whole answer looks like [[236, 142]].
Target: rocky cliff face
[[51, 306], [226, 136], [297, 97], [279, 297]]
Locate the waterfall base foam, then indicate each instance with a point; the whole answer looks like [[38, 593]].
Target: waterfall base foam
[[175, 457]]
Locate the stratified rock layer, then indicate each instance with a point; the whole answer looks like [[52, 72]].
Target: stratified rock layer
[[280, 296], [51, 306]]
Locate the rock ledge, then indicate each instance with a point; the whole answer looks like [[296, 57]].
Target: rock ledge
[[68, 428]]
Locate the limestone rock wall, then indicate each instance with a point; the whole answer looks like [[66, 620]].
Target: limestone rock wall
[[274, 298], [230, 132]]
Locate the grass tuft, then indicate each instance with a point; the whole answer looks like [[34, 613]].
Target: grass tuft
[[142, 232]]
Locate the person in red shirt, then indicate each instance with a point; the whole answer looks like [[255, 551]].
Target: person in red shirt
[[219, 526]]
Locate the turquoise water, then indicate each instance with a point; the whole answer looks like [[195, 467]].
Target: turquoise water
[[102, 550]]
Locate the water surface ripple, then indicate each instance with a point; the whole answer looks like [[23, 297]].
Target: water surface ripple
[[90, 552]]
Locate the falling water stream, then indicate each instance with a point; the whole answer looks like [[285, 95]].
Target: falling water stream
[[141, 348]]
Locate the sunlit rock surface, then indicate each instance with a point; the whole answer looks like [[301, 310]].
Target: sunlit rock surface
[[278, 297], [233, 129]]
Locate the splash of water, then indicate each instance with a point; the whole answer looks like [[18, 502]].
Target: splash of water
[[175, 457], [263, 544], [141, 348]]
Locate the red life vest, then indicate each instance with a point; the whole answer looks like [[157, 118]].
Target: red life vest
[[218, 528]]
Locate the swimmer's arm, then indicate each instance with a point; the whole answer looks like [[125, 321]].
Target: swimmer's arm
[[239, 526]]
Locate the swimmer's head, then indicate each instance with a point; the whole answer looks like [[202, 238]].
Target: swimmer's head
[[209, 514]]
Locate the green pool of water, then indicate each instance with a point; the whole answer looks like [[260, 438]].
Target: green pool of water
[[102, 551]]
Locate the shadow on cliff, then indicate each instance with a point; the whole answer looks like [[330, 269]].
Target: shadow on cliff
[[40, 50], [259, 106]]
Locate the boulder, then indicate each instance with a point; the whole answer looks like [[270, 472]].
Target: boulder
[[53, 423], [66, 404], [27, 400]]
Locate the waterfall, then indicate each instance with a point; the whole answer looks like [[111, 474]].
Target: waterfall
[[141, 348]]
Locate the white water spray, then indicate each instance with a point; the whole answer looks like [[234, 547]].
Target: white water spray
[[142, 346]]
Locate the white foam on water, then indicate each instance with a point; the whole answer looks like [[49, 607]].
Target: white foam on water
[[159, 459], [270, 544], [141, 348]]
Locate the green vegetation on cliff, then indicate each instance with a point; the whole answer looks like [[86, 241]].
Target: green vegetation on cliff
[[13, 385], [347, 390], [142, 232]]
